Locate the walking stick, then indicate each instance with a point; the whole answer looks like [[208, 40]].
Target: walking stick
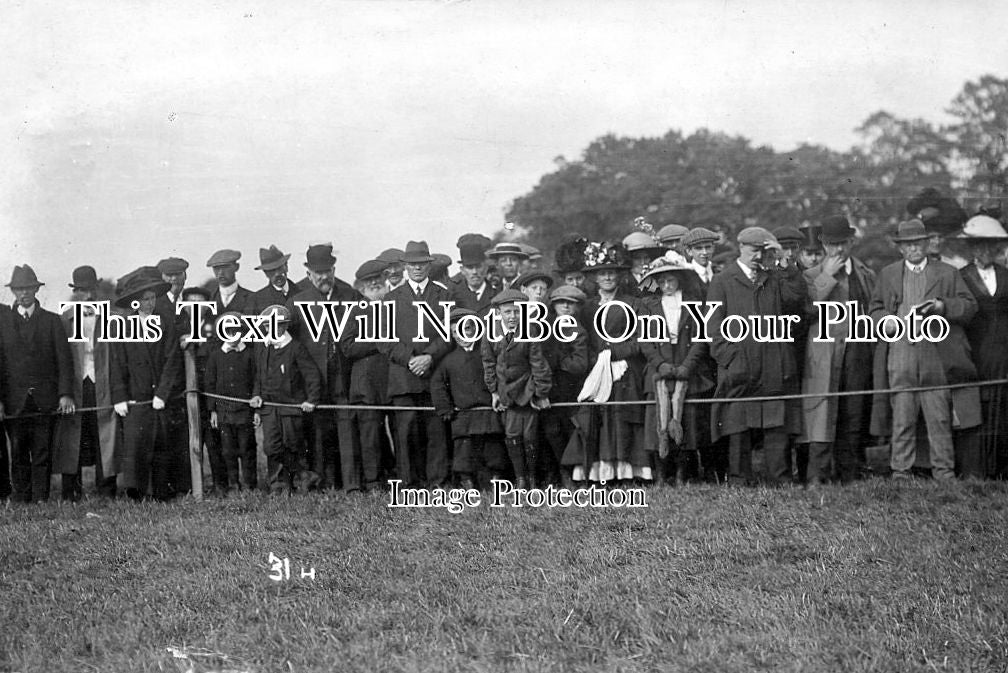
[[195, 431]]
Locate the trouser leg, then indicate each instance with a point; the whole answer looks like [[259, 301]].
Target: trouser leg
[[937, 407], [820, 462], [777, 455], [350, 450], [410, 458], [905, 409], [740, 457]]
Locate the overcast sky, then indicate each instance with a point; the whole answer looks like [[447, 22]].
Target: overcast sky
[[132, 131]]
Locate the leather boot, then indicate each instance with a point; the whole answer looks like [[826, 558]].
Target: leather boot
[[516, 452], [531, 464]]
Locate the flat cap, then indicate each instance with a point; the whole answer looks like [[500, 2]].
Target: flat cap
[[222, 257], [283, 311], [757, 237], [697, 236], [788, 235], [508, 296], [390, 256], [568, 293], [458, 312], [172, 265], [370, 269], [671, 233]]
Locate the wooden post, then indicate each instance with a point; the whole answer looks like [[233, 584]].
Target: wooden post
[[195, 430]]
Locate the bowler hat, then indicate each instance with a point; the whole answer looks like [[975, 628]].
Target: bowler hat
[[417, 252], [910, 230], [133, 285], [271, 258], [568, 293], [223, 257], [472, 254], [502, 249], [24, 276], [370, 269], [171, 265], [320, 257], [84, 278], [836, 229], [697, 236], [508, 296]]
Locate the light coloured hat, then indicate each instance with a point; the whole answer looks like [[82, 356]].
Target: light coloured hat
[[983, 227], [638, 240], [671, 233], [758, 237]]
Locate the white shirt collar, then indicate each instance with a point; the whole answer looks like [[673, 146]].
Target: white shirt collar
[[237, 346], [849, 266], [750, 273], [227, 291], [479, 291], [30, 311], [282, 341], [917, 267], [419, 288], [705, 272]]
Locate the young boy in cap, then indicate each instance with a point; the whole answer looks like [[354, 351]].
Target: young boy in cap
[[568, 363], [229, 296], [519, 380], [698, 244], [230, 371], [456, 389], [285, 375]]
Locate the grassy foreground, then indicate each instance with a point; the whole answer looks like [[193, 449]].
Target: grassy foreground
[[879, 576]]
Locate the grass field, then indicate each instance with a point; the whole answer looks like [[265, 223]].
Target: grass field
[[879, 576]]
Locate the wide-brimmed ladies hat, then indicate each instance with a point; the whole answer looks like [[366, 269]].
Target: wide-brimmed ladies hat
[[605, 256], [983, 228], [133, 285], [670, 262]]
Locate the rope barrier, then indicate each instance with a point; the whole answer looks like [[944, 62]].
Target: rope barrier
[[610, 403]]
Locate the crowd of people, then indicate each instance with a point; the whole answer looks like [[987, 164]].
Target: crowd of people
[[347, 412]]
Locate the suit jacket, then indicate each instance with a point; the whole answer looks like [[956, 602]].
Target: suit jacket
[[329, 359], [466, 298], [568, 363], [286, 375], [943, 282], [749, 368], [516, 371], [401, 381], [36, 357], [240, 302], [66, 442], [270, 296], [231, 374], [141, 371]]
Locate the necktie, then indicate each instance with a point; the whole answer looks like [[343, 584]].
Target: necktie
[[25, 316]]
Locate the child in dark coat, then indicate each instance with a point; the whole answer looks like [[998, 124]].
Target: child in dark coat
[[230, 371], [457, 387], [285, 374], [519, 380]]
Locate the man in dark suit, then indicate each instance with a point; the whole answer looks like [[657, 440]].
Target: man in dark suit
[[330, 429], [752, 286], [37, 380], [926, 286], [173, 271], [142, 372], [698, 244], [279, 289], [473, 290], [420, 438], [230, 296]]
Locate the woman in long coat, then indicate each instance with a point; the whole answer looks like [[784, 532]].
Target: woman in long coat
[[668, 282], [608, 442], [988, 281]]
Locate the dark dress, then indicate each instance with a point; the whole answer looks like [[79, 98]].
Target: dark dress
[[986, 335]]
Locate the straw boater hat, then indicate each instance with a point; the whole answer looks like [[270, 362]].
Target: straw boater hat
[[502, 249], [670, 262], [983, 228], [133, 285]]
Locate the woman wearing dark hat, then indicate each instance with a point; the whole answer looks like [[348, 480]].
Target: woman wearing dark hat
[[608, 444], [568, 260], [146, 374], [988, 281], [675, 432]]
